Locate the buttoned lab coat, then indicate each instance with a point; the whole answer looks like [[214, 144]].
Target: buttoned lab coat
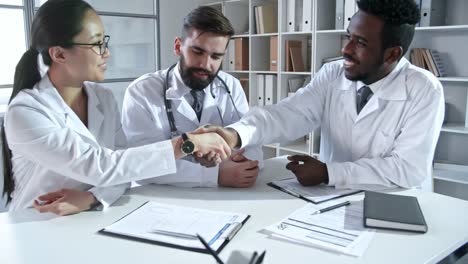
[[391, 142], [53, 149], [145, 120]]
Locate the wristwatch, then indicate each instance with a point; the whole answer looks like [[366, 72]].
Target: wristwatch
[[187, 147]]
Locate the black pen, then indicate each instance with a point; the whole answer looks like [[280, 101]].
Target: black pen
[[326, 209], [260, 259], [211, 251], [253, 258]]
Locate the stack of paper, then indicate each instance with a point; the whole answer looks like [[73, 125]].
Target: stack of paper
[[340, 230]]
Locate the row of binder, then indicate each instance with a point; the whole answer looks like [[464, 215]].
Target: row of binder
[[266, 89], [428, 59], [433, 12], [299, 15], [237, 58]]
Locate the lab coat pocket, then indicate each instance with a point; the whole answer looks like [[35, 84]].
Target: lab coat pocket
[[383, 144]]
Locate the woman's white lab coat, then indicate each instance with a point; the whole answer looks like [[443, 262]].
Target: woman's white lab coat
[[53, 149]]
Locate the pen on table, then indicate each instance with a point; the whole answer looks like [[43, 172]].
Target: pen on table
[[253, 258], [210, 250], [326, 209], [260, 259], [173, 234]]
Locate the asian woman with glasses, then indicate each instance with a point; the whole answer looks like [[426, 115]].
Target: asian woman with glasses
[[62, 132]]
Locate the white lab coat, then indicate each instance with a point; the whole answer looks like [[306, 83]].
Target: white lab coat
[[390, 143], [53, 149], [144, 119]]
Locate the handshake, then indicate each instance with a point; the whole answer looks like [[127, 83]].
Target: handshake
[[213, 144]]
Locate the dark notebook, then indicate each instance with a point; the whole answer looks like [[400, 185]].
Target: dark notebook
[[391, 211]]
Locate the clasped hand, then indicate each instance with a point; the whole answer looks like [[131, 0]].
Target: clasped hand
[[308, 170]]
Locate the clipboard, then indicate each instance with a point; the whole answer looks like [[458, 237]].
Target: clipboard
[[310, 194], [120, 229]]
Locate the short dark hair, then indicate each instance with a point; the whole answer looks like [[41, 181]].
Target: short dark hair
[[207, 19], [400, 18]]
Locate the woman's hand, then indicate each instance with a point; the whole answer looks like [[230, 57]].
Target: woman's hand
[[64, 202]]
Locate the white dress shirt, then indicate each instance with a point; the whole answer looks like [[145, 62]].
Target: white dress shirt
[[390, 143], [53, 149], [145, 120]]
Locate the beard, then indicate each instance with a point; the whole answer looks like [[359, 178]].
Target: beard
[[189, 78]]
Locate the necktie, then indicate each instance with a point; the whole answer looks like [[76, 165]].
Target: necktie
[[362, 97], [197, 105]]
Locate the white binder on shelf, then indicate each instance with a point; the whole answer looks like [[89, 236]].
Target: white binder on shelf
[[306, 15], [270, 88], [260, 89], [432, 13], [349, 10], [291, 15], [339, 14], [231, 58]]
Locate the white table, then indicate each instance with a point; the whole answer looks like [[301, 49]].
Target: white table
[[28, 237]]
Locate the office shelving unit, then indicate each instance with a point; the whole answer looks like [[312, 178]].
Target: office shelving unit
[[451, 158]]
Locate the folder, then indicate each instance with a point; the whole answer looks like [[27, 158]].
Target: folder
[[391, 211], [241, 54], [274, 53], [245, 86], [231, 58], [291, 15], [339, 14], [349, 10], [260, 89], [432, 13], [307, 15], [268, 18], [270, 88], [177, 226], [288, 45], [296, 59]]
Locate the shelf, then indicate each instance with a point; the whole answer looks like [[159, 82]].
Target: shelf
[[264, 35], [264, 72], [274, 145], [296, 73], [297, 33], [299, 147], [443, 28], [453, 79], [246, 35], [455, 128], [452, 173], [236, 71], [331, 31]]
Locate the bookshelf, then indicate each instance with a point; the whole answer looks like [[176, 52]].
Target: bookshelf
[[450, 38]]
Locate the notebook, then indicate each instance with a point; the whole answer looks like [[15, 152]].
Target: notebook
[[391, 211], [178, 226]]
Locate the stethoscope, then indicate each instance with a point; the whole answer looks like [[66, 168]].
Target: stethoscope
[[170, 115]]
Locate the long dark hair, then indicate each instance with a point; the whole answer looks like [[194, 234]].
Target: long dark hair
[[56, 23]]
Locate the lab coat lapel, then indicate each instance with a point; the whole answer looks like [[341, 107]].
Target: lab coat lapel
[[95, 112], [175, 93], [347, 93], [55, 101]]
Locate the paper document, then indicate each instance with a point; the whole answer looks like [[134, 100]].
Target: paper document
[[314, 194], [340, 230], [178, 226]]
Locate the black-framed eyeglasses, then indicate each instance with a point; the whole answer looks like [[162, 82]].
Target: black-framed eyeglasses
[[102, 46]]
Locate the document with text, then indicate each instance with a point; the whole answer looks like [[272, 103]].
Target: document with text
[[315, 194], [178, 226], [340, 230]]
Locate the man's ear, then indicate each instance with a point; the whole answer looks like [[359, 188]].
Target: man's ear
[[177, 46], [57, 54], [393, 54]]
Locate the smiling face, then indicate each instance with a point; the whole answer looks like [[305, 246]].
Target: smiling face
[[201, 55], [364, 56], [84, 62]]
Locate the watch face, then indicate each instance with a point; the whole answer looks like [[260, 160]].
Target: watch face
[[188, 147]]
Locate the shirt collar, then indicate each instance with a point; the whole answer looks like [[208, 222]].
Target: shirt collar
[[382, 88], [177, 88]]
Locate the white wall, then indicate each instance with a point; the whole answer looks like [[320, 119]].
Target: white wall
[[172, 13]]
